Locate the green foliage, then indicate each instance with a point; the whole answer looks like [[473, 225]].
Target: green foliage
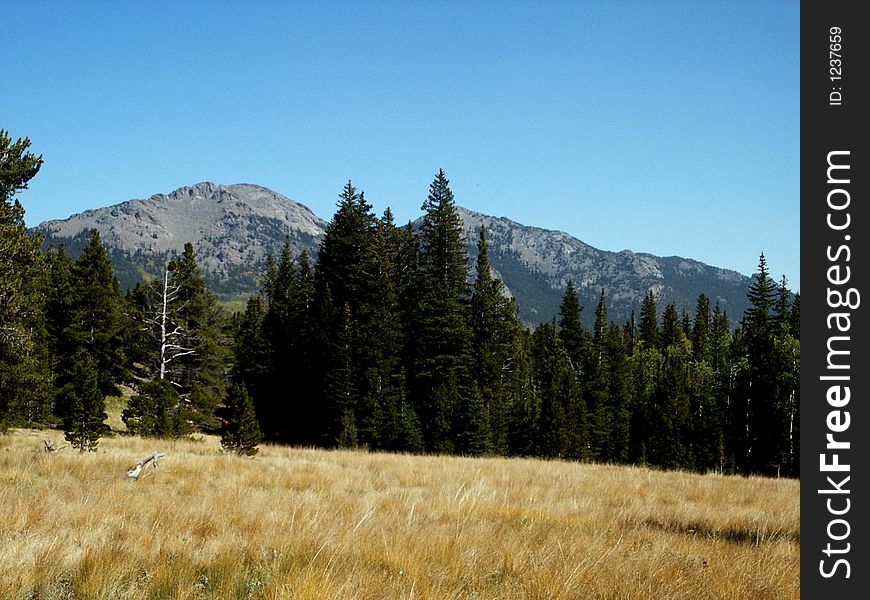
[[240, 434], [156, 411], [649, 329], [439, 337], [83, 405], [24, 379], [98, 323]]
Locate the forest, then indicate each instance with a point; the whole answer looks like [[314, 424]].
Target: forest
[[387, 340]]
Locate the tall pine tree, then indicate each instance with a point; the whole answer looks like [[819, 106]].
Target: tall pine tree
[[24, 374], [440, 334]]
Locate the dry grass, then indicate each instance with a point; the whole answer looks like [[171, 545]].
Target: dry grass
[[313, 524]]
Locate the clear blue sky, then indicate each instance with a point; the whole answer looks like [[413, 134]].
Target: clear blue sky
[[662, 127]]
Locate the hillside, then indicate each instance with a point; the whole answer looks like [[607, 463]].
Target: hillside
[[234, 227]]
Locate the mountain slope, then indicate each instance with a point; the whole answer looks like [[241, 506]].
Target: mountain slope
[[536, 265], [232, 227], [235, 227]]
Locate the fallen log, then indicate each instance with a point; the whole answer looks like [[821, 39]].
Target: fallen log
[[153, 460], [50, 447]]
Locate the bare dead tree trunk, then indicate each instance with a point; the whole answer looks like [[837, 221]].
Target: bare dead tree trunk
[[152, 459]]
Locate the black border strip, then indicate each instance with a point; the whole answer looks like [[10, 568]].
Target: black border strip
[[834, 334]]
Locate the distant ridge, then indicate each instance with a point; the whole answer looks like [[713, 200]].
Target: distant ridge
[[235, 227]]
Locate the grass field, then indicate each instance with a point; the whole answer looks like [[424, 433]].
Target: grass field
[[315, 524]]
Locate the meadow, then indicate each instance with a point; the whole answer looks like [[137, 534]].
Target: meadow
[[317, 524]]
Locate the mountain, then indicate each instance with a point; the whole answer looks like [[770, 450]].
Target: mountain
[[235, 227], [536, 264]]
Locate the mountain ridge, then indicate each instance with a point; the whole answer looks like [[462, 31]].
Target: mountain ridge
[[235, 227]]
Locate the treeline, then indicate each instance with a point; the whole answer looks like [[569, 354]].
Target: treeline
[[387, 342]]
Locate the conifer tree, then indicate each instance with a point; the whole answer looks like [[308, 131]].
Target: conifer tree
[[795, 316], [241, 434], [201, 373], [563, 420], [649, 328], [574, 337], [99, 323], [286, 413], [440, 335], [701, 329], [24, 375], [599, 400], [494, 325], [672, 331], [83, 404], [782, 308], [156, 411], [764, 446], [252, 364]]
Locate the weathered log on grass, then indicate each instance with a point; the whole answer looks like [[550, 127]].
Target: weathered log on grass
[[153, 460], [50, 447]]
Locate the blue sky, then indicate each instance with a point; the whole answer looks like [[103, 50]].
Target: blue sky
[[662, 127]]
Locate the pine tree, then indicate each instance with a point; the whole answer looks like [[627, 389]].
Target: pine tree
[[439, 336], [83, 404], [156, 411], [200, 373], [649, 329], [495, 326], [701, 329], [672, 331], [795, 316], [252, 364], [241, 434], [286, 413], [599, 400], [765, 441], [563, 419], [24, 374], [574, 337], [99, 323]]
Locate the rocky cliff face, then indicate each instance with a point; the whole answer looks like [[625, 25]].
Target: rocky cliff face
[[235, 227]]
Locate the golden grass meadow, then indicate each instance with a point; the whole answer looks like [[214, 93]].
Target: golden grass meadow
[[317, 524]]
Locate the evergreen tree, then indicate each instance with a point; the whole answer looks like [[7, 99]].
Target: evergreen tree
[[286, 413], [574, 337], [24, 374], [563, 421], [701, 330], [782, 308], [83, 404], [241, 434], [672, 330], [156, 411], [649, 328], [59, 305], [795, 316], [597, 385], [766, 441], [523, 420], [252, 364], [671, 411], [201, 373], [99, 323], [494, 325], [439, 331]]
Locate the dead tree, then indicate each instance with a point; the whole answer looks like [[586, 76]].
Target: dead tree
[[50, 447], [151, 461], [175, 341]]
